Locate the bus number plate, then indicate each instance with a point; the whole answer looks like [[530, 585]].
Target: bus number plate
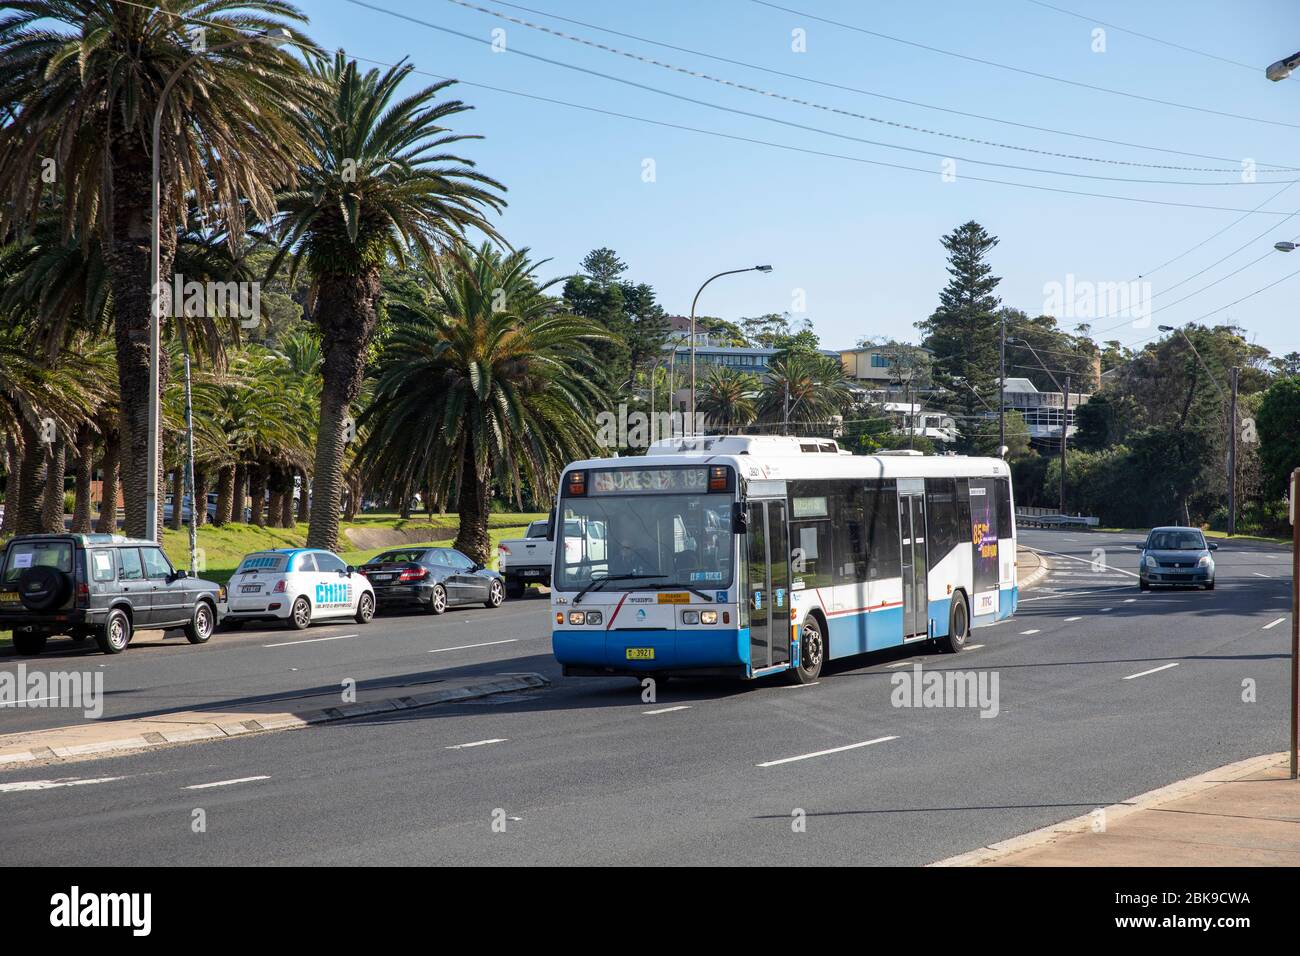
[[640, 653]]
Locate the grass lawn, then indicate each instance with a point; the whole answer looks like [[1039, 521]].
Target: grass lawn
[[222, 548]]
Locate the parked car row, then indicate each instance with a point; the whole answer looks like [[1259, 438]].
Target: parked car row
[[105, 587]]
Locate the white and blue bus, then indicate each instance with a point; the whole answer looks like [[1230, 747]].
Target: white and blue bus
[[744, 556]]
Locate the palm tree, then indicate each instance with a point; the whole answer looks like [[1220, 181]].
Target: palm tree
[[490, 381], [81, 80], [726, 397], [379, 184], [804, 387]]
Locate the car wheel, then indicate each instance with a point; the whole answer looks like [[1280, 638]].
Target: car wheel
[[958, 626], [1210, 586], [202, 624], [300, 615], [812, 652], [437, 599], [514, 589], [496, 594], [1143, 586], [28, 643], [116, 633], [365, 608]]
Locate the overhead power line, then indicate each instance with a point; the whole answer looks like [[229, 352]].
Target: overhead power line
[[799, 101], [1024, 72], [771, 119], [1145, 36]]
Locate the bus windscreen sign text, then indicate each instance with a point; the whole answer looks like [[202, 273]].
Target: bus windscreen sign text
[[649, 481]]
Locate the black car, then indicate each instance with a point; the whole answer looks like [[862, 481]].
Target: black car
[[102, 586], [432, 578]]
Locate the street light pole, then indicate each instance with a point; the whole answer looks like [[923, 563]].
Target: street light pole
[[1002, 385], [729, 272], [155, 279]]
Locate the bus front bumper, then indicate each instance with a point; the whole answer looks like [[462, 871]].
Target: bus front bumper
[[703, 651]]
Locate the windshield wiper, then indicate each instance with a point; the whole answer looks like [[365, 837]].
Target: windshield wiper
[[617, 577]]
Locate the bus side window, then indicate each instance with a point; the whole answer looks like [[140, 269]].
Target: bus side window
[[883, 545], [1004, 515]]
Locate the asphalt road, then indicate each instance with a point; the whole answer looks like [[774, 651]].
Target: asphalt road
[[1103, 692]]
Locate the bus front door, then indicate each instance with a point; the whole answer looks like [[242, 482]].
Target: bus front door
[[916, 589], [767, 588]]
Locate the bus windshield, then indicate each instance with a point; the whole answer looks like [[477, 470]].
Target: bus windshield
[[672, 540]]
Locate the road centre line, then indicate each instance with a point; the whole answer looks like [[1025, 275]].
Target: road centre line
[[313, 640], [477, 743], [1272, 624], [464, 647], [1154, 670], [667, 710], [823, 753], [227, 783], [22, 786]]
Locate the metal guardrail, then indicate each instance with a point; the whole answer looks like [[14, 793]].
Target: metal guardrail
[[1039, 520]]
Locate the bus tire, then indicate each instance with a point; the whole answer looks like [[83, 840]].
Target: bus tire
[[958, 625], [812, 652]]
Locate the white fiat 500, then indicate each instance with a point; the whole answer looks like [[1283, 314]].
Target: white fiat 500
[[297, 586]]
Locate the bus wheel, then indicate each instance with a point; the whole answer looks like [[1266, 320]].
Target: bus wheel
[[812, 652], [958, 626]]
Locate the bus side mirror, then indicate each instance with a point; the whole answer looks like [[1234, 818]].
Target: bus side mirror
[[550, 526], [739, 518]]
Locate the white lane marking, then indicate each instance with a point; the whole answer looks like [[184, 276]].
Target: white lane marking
[[797, 686], [667, 710], [24, 785], [313, 640], [900, 663], [226, 783], [1084, 560], [1033, 630], [465, 647], [1107, 609], [1129, 600], [1258, 575], [823, 753], [478, 743], [1153, 670], [972, 647], [26, 700], [1069, 619], [1074, 594], [1272, 624]]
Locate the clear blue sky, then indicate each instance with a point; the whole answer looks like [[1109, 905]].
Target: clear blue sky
[[862, 241]]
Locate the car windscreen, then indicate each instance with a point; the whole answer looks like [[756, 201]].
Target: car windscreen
[[37, 554], [1176, 541], [261, 562], [536, 530]]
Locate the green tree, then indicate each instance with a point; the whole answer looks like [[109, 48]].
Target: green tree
[[804, 388], [963, 331], [84, 75], [379, 183], [492, 381], [727, 398], [1278, 425]]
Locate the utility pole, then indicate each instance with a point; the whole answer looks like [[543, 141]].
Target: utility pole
[[1002, 384], [1232, 453], [1295, 616], [1065, 430]]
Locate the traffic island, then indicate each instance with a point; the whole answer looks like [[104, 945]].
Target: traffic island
[[1244, 814], [113, 737], [1030, 568]]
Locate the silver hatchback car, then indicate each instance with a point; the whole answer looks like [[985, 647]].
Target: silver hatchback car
[[1176, 557]]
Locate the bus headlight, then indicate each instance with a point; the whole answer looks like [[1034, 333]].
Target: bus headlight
[[708, 617], [576, 617], [593, 617], [690, 617]]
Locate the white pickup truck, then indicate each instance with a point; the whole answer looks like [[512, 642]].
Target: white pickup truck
[[527, 560]]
